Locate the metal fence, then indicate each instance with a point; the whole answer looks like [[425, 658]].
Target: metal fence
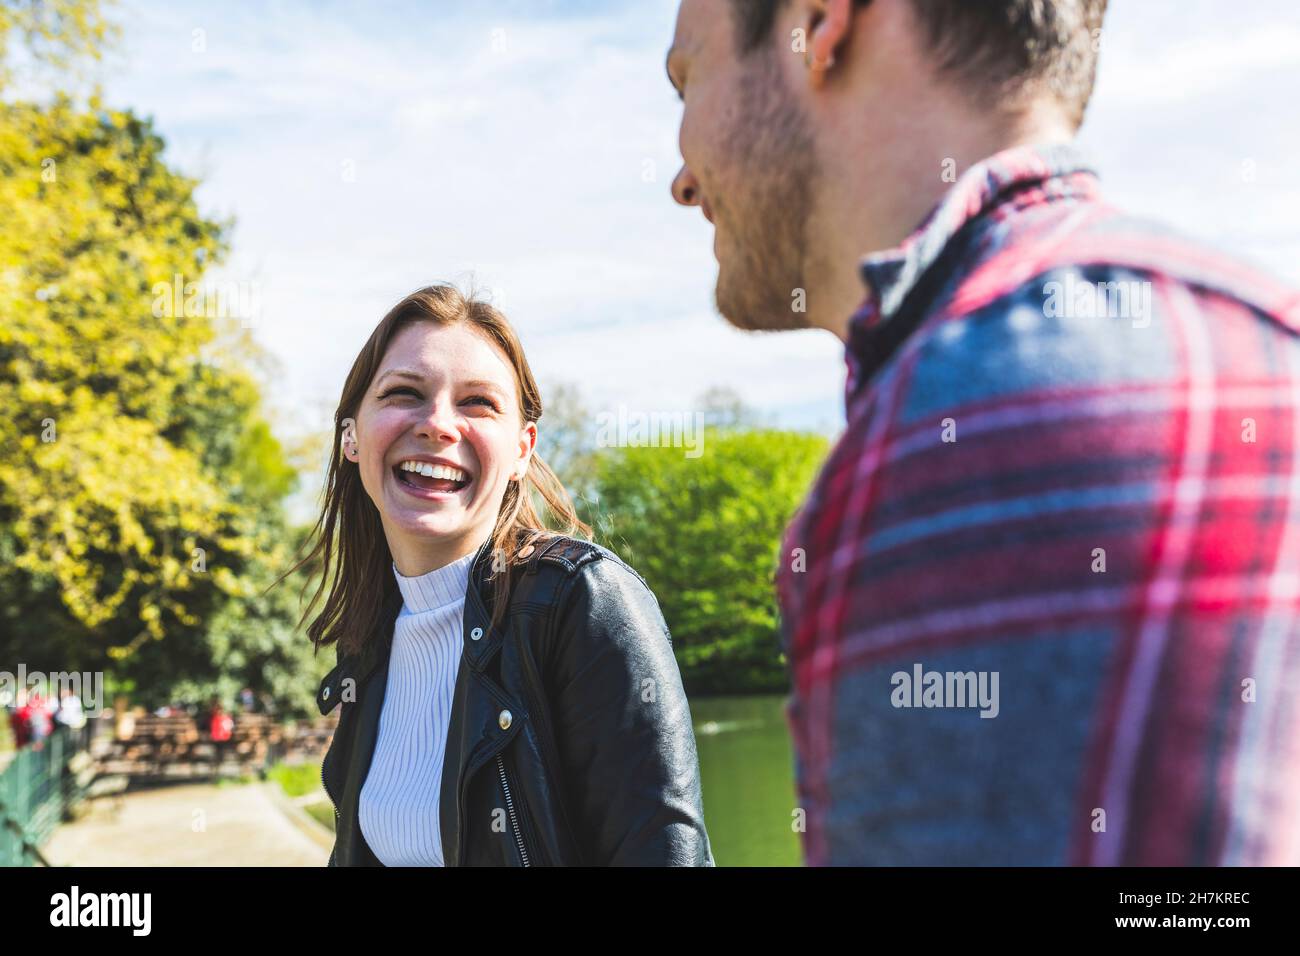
[[37, 788]]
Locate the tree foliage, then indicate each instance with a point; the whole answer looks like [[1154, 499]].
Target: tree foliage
[[141, 489], [57, 34], [704, 533]]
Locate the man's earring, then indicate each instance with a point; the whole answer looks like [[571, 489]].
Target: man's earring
[[813, 63]]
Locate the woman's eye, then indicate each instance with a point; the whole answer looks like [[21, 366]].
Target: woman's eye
[[400, 390], [484, 400]]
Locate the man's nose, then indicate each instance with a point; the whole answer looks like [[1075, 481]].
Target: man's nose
[[686, 188]]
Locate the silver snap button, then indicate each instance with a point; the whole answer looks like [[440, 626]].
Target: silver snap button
[[527, 551], [504, 720], [326, 695], [475, 634]]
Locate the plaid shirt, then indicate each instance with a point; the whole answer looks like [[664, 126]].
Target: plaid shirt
[[1071, 465]]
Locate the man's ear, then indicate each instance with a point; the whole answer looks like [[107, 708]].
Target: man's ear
[[829, 24]]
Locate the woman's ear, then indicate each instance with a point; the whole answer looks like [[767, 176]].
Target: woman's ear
[[527, 442], [349, 439]]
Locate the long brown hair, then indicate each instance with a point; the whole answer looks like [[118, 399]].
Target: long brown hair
[[348, 538]]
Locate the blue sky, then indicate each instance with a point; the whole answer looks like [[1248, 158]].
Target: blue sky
[[368, 149]]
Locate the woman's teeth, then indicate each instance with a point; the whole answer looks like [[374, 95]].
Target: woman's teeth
[[434, 471], [425, 476]]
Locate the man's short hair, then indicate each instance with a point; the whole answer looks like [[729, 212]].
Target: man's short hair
[[1001, 47]]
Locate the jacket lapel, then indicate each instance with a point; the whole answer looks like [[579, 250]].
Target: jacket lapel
[[462, 734], [453, 763], [375, 675], [474, 731]]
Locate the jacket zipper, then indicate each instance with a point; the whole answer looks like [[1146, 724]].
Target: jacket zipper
[[324, 786], [510, 808]]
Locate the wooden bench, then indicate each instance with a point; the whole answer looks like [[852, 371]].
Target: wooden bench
[[175, 747]]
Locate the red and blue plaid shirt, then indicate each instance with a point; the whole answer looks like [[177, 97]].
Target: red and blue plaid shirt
[[1070, 476]]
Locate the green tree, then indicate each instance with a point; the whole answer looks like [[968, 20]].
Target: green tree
[[704, 533], [142, 489]]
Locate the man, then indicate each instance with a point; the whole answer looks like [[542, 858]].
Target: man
[[1040, 605]]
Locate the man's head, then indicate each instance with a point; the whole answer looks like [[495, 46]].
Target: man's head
[[810, 125]]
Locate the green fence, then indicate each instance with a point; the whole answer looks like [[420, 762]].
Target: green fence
[[37, 788]]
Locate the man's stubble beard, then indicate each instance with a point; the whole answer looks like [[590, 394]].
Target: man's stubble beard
[[763, 255]]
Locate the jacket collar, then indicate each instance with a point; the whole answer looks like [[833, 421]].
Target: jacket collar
[[356, 667], [480, 640]]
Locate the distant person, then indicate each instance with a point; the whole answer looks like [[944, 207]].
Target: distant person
[[221, 728], [70, 714], [20, 720], [123, 720], [1040, 605], [38, 720]]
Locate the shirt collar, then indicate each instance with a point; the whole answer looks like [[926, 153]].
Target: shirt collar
[[890, 275]]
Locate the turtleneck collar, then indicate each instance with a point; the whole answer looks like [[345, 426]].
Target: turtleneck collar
[[437, 588]]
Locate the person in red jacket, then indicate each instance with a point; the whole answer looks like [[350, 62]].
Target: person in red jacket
[[20, 721], [35, 715], [220, 728]]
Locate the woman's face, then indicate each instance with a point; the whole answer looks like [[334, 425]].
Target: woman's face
[[437, 438]]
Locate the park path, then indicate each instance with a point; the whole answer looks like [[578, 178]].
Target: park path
[[188, 825]]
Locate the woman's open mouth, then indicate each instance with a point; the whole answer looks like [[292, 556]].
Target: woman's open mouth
[[430, 481]]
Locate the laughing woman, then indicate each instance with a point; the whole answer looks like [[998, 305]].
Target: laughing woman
[[509, 693]]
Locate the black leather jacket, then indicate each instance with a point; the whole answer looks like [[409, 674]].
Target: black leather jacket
[[570, 739]]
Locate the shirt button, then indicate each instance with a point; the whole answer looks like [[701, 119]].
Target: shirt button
[[475, 634], [504, 720], [326, 694], [526, 552]]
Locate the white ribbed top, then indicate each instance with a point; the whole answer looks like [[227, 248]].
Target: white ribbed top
[[399, 800]]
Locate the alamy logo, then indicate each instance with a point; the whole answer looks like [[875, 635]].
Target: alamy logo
[[212, 299], [88, 685], [922, 688], [1077, 298], [103, 909], [626, 429]]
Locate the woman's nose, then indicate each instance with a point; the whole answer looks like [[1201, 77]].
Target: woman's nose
[[441, 423], [686, 189]]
